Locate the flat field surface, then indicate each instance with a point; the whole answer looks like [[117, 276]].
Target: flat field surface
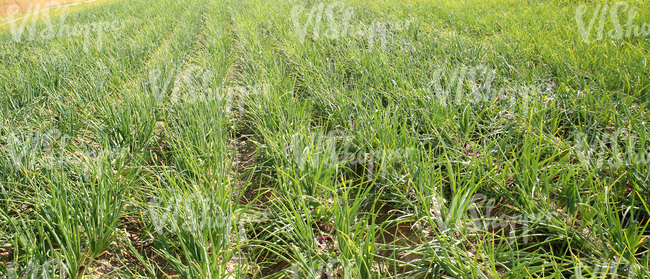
[[336, 139]]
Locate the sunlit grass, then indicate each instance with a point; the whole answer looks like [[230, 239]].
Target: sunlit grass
[[230, 139]]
